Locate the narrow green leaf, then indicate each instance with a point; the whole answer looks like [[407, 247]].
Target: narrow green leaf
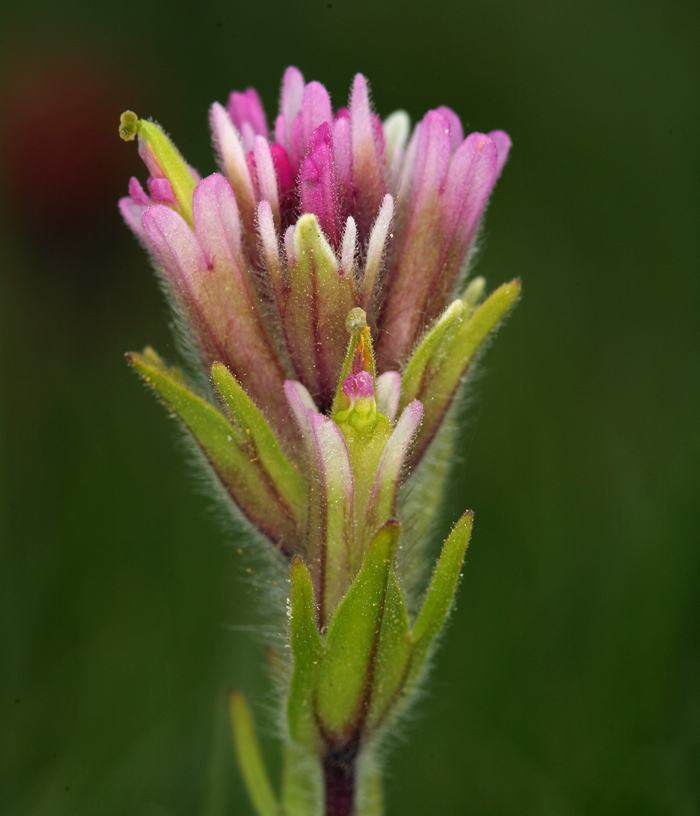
[[429, 354], [440, 382], [344, 683], [440, 594], [307, 649], [225, 448], [285, 477], [250, 759], [393, 653]]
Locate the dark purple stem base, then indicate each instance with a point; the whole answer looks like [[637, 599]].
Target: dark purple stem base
[[339, 780]]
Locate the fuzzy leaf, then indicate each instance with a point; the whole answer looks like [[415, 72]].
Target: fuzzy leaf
[[440, 383], [283, 475], [307, 649], [393, 654], [250, 759], [345, 680], [225, 448], [440, 594], [427, 357]]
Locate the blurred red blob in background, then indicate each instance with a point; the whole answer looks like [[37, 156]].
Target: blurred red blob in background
[[62, 166]]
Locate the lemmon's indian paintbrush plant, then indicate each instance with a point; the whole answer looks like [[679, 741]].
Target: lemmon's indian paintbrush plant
[[319, 284]]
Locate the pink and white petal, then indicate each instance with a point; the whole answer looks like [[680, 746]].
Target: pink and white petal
[[232, 156], [348, 249], [375, 249], [267, 178], [388, 394], [382, 500], [473, 172], [290, 104], [217, 222], [503, 143], [137, 193], [456, 129], [132, 212]]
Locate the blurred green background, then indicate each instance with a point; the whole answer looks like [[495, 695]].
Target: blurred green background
[[569, 680]]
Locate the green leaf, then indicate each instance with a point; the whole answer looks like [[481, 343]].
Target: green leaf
[[285, 477], [427, 357], [250, 759], [344, 683], [440, 594], [225, 448], [307, 649], [393, 654], [439, 383]]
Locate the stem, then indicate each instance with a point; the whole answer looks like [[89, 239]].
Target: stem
[[339, 782]]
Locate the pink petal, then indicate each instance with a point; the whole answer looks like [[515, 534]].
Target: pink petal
[[503, 143], [232, 159], [267, 178], [137, 193], [132, 212], [456, 129], [473, 172], [161, 191], [317, 184], [176, 249], [217, 223], [367, 158], [290, 105], [315, 110], [247, 107]]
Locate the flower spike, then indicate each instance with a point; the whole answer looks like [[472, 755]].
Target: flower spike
[[319, 279]]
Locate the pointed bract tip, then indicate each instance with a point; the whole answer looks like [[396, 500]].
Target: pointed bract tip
[[128, 126], [356, 320]]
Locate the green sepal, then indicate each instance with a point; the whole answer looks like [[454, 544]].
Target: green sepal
[[286, 478], [307, 649], [345, 680], [440, 594], [393, 654], [429, 354], [152, 137], [439, 383], [225, 448], [250, 759]]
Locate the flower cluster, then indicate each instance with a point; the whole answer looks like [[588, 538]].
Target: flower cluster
[[317, 280]]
